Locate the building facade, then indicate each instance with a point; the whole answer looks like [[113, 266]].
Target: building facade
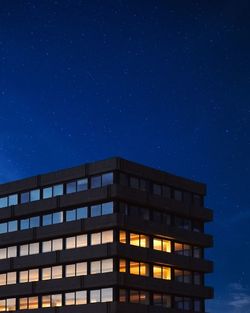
[[110, 236]]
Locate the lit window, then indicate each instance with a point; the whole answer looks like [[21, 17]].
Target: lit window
[[162, 244], [46, 246], [122, 265], [161, 272], [139, 240], [96, 239], [138, 268], [107, 236], [122, 236]]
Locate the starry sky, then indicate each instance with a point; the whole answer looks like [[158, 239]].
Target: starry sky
[[164, 83]]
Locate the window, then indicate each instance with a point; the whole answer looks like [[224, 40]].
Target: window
[[76, 214], [47, 219], [52, 245], [122, 266], [25, 197], [157, 189], [101, 180], [3, 202], [11, 252], [183, 303], [8, 278], [107, 179], [57, 217], [197, 278], [28, 303], [76, 241], [122, 236], [8, 227], [138, 268], [161, 272], [76, 298], [101, 295], [8, 304], [101, 209], [12, 200], [52, 301], [77, 269], [139, 296], [76, 186], [71, 187], [29, 276], [101, 266], [29, 249], [198, 305], [197, 226], [160, 299], [102, 237], [82, 184], [182, 249], [106, 294], [183, 276], [53, 191], [183, 223], [178, 195], [162, 244], [34, 195], [57, 190], [198, 200], [54, 272], [122, 295], [47, 192], [197, 252], [139, 240]]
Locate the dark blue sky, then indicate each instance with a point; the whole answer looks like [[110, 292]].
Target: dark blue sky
[[165, 83]]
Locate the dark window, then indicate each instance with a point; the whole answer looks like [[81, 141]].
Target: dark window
[[25, 197], [71, 187], [166, 192], [82, 184], [198, 200], [157, 216], [178, 195], [157, 189], [134, 182], [96, 181], [122, 295], [107, 179]]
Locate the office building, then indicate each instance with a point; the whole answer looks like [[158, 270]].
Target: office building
[[112, 236]]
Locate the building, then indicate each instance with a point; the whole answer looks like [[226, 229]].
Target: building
[[110, 236]]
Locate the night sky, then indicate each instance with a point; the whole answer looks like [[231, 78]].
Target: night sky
[[163, 83]]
